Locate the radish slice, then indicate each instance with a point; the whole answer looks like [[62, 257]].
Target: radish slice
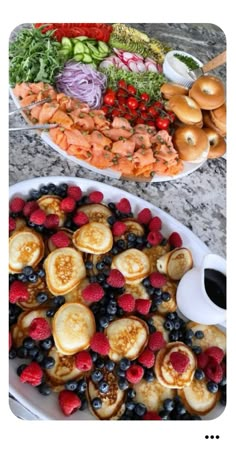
[[128, 56], [106, 63], [141, 66], [151, 67], [137, 57], [132, 66]]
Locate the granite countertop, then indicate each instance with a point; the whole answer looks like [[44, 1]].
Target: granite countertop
[[197, 200]]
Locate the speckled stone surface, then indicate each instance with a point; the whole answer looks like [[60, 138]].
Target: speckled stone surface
[[197, 200]]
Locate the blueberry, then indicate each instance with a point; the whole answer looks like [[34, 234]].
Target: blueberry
[[177, 324], [44, 389], [212, 387], [63, 187], [41, 273], [41, 297], [96, 403], [101, 277], [194, 417], [158, 292], [32, 278], [165, 296], [140, 409], [12, 277], [151, 328], [174, 335], [131, 237], [171, 316], [223, 382], [189, 334], [12, 353], [22, 277], [188, 342], [164, 414], [112, 206], [199, 374], [94, 356], [169, 404], [100, 266], [20, 369], [120, 372], [68, 224], [111, 220], [115, 250], [48, 362], [169, 325], [150, 290], [34, 194], [130, 405], [121, 244], [103, 321], [89, 265], [149, 375], [28, 343], [196, 349], [103, 387], [199, 334], [51, 312], [96, 376], [33, 352], [27, 270], [44, 189], [81, 386], [110, 365], [84, 404], [123, 384], [146, 282], [111, 317], [187, 416], [39, 357], [99, 363], [111, 309], [180, 409], [71, 385], [131, 393], [22, 352], [58, 301]]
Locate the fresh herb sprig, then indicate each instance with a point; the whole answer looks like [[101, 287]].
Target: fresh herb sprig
[[187, 60]]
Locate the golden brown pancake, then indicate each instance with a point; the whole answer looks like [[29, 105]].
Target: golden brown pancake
[[51, 205], [96, 212], [213, 336], [197, 399], [93, 238], [152, 394], [63, 371], [133, 264], [26, 248]]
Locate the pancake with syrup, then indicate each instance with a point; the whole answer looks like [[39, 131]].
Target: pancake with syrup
[[197, 399], [26, 248], [93, 238], [133, 264], [96, 212]]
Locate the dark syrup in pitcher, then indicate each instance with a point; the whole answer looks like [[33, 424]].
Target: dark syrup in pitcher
[[215, 286]]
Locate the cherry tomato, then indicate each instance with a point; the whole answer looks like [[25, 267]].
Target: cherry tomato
[[144, 115], [142, 106], [131, 90], [116, 112], [122, 84], [162, 123], [128, 117], [140, 121], [151, 123], [121, 101], [171, 116], [132, 103], [158, 105], [144, 96], [105, 109], [152, 111], [109, 99], [121, 93]]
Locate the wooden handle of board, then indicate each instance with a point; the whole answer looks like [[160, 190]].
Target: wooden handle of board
[[215, 62]]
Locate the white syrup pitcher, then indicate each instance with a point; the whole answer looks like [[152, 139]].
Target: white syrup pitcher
[[201, 293]]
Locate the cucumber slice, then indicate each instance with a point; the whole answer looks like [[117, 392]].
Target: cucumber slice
[[87, 58], [79, 48], [103, 48], [65, 53], [86, 49], [66, 42], [78, 57], [81, 38]]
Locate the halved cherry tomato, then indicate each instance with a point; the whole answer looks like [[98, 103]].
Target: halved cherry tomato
[[132, 103], [109, 99], [162, 123], [122, 84], [131, 90], [144, 96]]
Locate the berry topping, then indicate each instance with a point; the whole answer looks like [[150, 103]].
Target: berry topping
[[214, 372], [151, 415], [39, 329], [179, 361], [144, 216], [175, 240], [157, 280], [156, 341], [215, 353], [74, 192], [69, 402], [38, 217], [147, 358], [17, 205], [18, 292], [202, 360], [143, 306], [100, 343], [123, 206], [68, 204], [80, 218], [51, 221], [96, 197], [134, 373], [32, 374], [155, 224], [60, 239], [126, 302], [154, 238], [119, 228], [29, 207], [93, 292], [12, 224], [116, 279], [83, 361]]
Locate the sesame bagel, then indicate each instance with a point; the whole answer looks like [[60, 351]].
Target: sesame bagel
[[208, 91], [192, 143]]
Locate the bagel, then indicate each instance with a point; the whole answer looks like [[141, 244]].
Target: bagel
[[208, 91], [192, 143], [217, 143], [208, 123], [218, 117], [186, 109], [168, 90]]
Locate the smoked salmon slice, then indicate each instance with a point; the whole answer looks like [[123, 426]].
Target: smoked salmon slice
[[77, 138], [121, 122], [61, 118], [117, 133], [47, 112], [124, 147]]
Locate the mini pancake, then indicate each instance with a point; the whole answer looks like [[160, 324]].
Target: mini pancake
[[73, 326], [96, 212], [197, 399], [152, 394], [26, 248], [51, 205], [63, 371], [93, 238], [64, 270], [154, 253], [133, 264], [94, 259], [133, 226], [171, 305], [20, 224], [112, 401], [127, 338], [34, 289], [213, 336], [158, 323], [76, 294], [175, 263], [20, 330], [137, 290], [166, 374]]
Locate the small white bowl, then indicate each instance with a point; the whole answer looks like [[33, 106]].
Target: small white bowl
[[176, 71]]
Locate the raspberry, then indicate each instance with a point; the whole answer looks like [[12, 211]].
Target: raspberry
[[155, 224], [80, 218], [68, 204], [156, 341], [32, 374], [96, 197], [175, 240], [216, 353], [9, 340], [38, 217], [214, 372], [123, 206], [39, 329], [157, 280], [29, 207], [202, 360], [83, 361], [151, 415], [143, 306], [134, 373], [126, 302], [119, 228], [51, 221], [12, 224], [69, 402], [60, 239], [100, 343], [93, 292], [74, 192], [18, 292], [144, 216], [116, 279], [17, 205], [154, 238], [147, 358], [179, 361]]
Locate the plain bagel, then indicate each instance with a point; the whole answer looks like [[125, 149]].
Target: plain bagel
[[218, 117], [217, 143], [169, 90], [208, 123], [208, 91], [192, 143], [186, 109]]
